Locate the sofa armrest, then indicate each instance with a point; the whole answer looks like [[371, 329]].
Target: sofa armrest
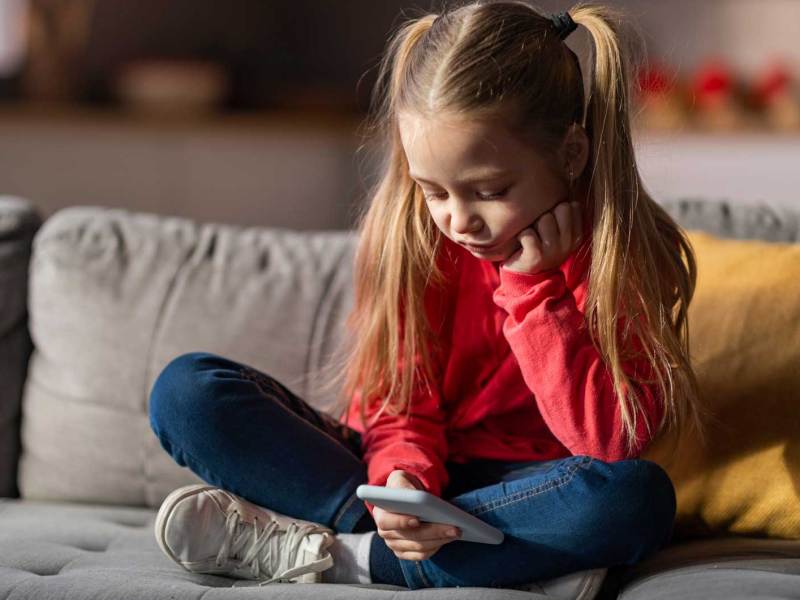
[[19, 221]]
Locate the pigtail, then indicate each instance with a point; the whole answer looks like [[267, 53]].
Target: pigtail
[[646, 292]]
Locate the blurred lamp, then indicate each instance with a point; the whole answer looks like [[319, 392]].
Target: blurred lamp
[[13, 27]]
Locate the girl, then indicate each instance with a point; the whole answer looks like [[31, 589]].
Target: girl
[[511, 255]]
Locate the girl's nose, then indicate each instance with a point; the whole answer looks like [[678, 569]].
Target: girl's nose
[[465, 224]]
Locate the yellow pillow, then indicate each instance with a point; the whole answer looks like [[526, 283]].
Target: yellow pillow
[[744, 341]]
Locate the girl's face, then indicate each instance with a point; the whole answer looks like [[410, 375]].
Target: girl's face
[[482, 186]]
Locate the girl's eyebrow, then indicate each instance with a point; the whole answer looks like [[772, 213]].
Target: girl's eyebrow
[[479, 176]]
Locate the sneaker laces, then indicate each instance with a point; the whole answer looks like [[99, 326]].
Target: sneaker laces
[[268, 551]]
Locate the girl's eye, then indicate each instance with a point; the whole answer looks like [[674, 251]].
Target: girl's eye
[[499, 194], [487, 196], [432, 195]]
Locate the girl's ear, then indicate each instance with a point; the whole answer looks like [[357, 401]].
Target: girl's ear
[[575, 151]]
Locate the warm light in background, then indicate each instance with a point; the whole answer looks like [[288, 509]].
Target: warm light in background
[[13, 28]]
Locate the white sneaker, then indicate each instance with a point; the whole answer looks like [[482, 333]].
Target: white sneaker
[[207, 529]]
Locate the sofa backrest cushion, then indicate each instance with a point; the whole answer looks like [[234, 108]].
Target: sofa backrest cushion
[[745, 347], [115, 295]]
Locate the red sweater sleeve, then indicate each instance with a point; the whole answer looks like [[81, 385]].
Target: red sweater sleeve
[[572, 386], [415, 443]]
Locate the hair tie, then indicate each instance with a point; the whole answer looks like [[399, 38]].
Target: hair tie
[[563, 23]]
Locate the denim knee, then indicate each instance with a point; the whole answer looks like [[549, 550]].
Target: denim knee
[[177, 391], [631, 512], [651, 504], [660, 500]]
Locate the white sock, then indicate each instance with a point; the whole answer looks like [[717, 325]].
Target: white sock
[[350, 553]]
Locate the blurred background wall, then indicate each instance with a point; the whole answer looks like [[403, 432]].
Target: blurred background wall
[[248, 111]]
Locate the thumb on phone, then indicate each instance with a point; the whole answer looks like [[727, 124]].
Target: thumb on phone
[[404, 480]]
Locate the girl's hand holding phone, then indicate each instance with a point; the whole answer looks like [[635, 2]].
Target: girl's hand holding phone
[[549, 240], [406, 540]]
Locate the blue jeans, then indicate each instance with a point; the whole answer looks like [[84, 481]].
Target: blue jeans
[[243, 431]]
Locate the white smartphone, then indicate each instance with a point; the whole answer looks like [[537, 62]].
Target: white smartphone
[[431, 509]]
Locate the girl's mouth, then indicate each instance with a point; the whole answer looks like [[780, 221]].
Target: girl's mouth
[[482, 249]]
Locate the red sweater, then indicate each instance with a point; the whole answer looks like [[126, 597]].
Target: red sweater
[[521, 381]]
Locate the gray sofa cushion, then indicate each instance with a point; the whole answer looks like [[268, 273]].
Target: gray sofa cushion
[[730, 567], [18, 224], [114, 296], [80, 550], [75, 550]]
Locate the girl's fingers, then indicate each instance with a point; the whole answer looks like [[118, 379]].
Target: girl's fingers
[[563, 215], [415, 556], [426, 531], [577, 221], [389, 520], [414, 546], [531, 242], [547, 229]]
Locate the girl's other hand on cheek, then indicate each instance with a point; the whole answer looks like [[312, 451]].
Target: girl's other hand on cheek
[[548, 241], [407, 541]]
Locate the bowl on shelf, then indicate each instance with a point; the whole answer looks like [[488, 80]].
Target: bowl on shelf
[[172, 88]]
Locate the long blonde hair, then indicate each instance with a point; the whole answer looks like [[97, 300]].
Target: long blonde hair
[[504, 60]]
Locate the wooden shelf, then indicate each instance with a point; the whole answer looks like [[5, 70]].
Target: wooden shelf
[[244, 121], [302, 168], [280, 168]]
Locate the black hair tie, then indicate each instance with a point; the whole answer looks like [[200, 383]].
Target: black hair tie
[[563, 23]]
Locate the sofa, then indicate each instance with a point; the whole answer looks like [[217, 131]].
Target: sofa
[[96, 301]]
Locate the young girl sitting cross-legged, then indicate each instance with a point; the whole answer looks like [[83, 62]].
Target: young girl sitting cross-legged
[[518, 336]]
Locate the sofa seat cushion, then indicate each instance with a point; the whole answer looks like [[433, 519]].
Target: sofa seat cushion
[[80, 550], [58, 549], [729, 567]]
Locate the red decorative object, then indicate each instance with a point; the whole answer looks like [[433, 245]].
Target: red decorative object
[[654, 79], [773, 81], [713, 83], [716, 97], [775, 94], [660, 98]]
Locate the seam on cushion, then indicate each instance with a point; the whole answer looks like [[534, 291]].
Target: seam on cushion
[[157, 327], [71, 560], [524, 494], [10, 593], [328, 283], [44, 384], [168, 295]]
